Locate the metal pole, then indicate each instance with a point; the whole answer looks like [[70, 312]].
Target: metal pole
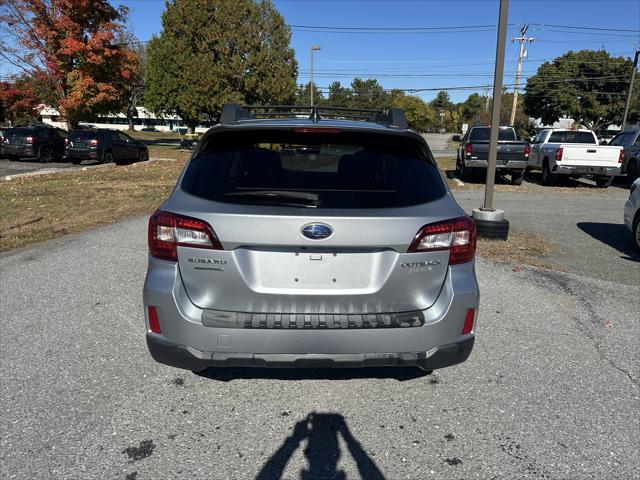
[[633, 77], [497, 100], [312, 75]]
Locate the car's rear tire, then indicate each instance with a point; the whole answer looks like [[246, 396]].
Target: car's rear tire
[[604, 182], [45, 155], [548, 177], [143, 156], [516, 178], [76, 161], [108, 158]]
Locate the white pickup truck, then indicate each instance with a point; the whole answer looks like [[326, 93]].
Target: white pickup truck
[[575, 153]]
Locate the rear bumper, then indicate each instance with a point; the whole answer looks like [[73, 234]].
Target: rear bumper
[[188, 340], [82, 154], [501, 165], [584, 170], [18, 150], [188, 358]]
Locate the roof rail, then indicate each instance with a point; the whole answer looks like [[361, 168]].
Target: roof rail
[[232, 113]]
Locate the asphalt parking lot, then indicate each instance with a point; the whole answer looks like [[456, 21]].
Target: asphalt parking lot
[[550, 390], [13, 167]]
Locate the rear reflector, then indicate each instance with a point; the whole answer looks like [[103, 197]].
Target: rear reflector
[[167, 231], [559, 152], [621, 156], [468, 321], [154, 323], [459, 236]]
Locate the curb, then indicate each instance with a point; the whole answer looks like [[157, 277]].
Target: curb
[[50, 171]]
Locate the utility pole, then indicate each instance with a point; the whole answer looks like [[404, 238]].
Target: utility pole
[[312, 85], [633, 77], [522, 39]]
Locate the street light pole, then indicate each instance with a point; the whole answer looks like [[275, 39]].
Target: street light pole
[[490, 221], [313, 49], [497, 100]]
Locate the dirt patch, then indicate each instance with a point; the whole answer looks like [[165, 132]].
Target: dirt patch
[[525, 248], [35, 209]]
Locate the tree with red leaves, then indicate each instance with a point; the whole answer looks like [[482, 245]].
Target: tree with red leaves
[[71, 44], [19, 99]]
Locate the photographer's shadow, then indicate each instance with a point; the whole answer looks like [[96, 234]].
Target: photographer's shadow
[[321, 431]]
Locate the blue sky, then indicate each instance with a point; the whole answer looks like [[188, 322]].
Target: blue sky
[[433, 60]]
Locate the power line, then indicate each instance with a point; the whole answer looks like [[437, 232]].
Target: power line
[[582, 27]]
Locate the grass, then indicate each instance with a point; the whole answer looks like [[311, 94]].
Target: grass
[[36, 209], [453, 145], [172, 136], [162, 151], [525, 248]]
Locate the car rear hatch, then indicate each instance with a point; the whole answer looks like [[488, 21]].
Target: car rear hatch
[[83, 141], [308, 221], [507, 151], [19, 136]]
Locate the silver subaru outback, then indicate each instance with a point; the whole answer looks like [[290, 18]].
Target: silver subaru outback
[[314, 240]]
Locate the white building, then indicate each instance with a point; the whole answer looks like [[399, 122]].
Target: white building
[[145, 118]]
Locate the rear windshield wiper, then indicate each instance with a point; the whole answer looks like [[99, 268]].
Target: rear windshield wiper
[[307, 199]]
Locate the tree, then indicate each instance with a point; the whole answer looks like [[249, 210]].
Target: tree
[[589, 86], [420, 115], [442, 101], [339, 96], [472, 108], [70, 43], [303, 95], [215, 51], [19, 100], [132, 92], [368, 94]]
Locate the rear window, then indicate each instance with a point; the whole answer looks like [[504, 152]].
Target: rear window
[[20, 132], [83, 135], [323, 170], [572, 137], [479, 134]]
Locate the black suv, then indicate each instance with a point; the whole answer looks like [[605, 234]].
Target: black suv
[[106, 146], [43, 142]]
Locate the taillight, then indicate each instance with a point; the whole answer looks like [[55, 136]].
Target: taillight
[[527, 150], [459, 236], [621, 156], [469, 149], [66, 142], [94, 142], [154, 323], [467, 327], [559, 154], [30, 140], [167, 231]]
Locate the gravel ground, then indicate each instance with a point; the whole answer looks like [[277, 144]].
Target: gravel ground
[[584, 225], [550, 390]]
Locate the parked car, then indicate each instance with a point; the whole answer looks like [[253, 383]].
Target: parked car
[[574, 153], [630, 142], [632, 212], [105, 146], [311, 242], [473, 153], [43, 142]]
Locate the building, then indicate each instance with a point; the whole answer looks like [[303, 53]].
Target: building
[[145, 119]]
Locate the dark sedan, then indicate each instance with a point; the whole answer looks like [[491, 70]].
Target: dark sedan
[[106, 146]]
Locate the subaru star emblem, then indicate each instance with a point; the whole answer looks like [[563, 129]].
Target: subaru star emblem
[[317, 231]]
